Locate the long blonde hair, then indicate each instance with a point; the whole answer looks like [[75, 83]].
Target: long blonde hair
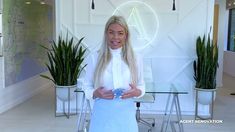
[[105, 55]]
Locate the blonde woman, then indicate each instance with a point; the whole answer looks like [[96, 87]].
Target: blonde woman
[[114, 77]]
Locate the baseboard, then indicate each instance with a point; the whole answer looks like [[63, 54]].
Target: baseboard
[[21, 92]]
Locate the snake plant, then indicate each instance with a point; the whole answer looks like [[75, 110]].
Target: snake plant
[[206, 64], [65, 61]]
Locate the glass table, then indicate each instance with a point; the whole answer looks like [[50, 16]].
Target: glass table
[[173, 90]]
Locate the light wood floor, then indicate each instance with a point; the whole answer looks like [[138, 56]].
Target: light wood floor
[[37, 115]]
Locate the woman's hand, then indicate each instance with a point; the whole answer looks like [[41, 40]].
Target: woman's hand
[[101, 92], [133, 92]]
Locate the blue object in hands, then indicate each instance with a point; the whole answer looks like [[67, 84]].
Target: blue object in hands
[[118, 92]]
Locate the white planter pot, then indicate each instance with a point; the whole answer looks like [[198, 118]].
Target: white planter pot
[[205, 96], [62, 92]]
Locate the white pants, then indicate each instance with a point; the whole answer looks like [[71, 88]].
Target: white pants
[[117, 115]]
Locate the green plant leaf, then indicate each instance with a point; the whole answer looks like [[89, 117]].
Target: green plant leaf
[[65, 61], [205, 67]]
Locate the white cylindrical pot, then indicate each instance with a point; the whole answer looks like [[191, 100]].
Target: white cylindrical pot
[[62, 92], [205, 96]]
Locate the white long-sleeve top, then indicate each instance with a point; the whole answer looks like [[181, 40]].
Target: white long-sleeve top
[[116, 74]]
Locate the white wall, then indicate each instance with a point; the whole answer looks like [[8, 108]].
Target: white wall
[[229, 57], [229, 63], [1, 73], [222, 37], [173, 48], [1, 46]]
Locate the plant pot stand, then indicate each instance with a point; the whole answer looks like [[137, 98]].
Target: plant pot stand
[[67, 98], [211, 105]]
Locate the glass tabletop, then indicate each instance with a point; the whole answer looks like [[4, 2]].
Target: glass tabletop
[[167, 88]]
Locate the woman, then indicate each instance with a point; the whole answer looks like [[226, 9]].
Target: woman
[[114, 77]]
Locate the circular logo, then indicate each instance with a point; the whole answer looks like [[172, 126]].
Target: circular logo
[[142, 21]]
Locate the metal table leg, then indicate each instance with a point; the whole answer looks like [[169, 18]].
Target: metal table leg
[[178, 113], [165, 121], [81, 113], [174, 103]]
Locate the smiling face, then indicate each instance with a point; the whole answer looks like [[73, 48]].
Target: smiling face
[[116, 36]]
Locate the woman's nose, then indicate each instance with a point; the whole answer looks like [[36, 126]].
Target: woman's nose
[[115, 35]]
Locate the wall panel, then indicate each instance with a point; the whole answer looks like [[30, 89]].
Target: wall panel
[[172, 48]]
